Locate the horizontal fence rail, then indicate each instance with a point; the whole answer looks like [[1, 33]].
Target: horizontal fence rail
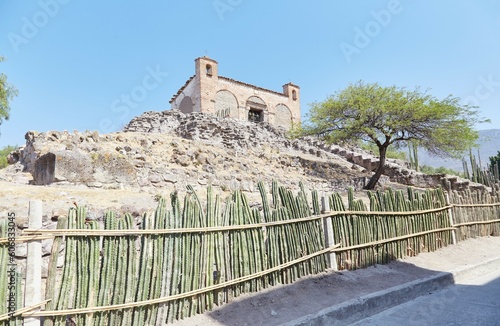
[[187, 257], [183, 295], [475, 214], [29, 234]]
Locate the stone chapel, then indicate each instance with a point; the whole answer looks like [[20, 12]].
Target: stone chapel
[[209, 92]]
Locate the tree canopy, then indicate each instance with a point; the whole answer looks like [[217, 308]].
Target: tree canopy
[[4, 152], [7, 93], [394, 116], [495, 165]]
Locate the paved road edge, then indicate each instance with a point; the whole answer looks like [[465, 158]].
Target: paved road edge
[[373, 303]]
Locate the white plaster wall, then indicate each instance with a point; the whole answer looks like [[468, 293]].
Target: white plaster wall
[[189, 90]]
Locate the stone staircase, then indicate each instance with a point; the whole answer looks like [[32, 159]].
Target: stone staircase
[[396, 170]]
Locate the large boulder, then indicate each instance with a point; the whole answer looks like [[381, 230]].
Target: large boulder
[[75, 158], [95, 168]]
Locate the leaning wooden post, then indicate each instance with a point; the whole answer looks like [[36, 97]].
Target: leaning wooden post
[[450, 215], [328, 233], [33, 285]]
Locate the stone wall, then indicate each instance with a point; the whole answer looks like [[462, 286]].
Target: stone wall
[[398, 171]]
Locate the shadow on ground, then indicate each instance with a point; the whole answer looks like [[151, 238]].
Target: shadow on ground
[[348, 296], [309, 295]]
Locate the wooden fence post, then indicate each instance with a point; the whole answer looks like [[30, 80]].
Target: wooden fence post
[[328, 233], [450, 215], [33, 284]]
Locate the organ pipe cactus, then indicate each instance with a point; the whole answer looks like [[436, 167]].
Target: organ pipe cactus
[[123, 269], [52, 270]]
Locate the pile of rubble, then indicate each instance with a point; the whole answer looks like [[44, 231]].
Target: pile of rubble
[[172, 149]]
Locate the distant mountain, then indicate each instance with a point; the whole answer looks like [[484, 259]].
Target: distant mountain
[[489, 145]]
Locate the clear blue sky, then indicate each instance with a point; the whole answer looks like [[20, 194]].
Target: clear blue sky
[[75, 62]]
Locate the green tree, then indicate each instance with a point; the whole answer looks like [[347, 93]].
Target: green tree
[[440, 170], [4, 152], [7, 93], [391, 152], [393, 116]]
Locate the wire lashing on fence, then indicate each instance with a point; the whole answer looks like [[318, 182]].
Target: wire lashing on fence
[[114, 233], [182, 295]]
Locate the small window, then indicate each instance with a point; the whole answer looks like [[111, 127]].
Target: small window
[[255, 115], [294, 95], [209, 70]]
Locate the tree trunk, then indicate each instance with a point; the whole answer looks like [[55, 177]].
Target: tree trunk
[[380, 168]]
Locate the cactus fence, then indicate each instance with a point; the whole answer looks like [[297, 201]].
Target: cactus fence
[[187, 257]]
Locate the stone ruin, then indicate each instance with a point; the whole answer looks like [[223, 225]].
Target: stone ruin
[[173, 149]]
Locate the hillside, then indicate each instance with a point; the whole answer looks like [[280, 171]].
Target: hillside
[[171, 150], [159, 153], [162, 152], [488, 146]]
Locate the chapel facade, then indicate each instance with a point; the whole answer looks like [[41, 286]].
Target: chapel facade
[[208, 92]]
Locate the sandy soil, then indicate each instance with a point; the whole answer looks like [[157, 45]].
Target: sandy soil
[[57, 199]]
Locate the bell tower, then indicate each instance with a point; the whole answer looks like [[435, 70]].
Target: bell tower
[[206, 67], [292, 91], [207, 75]]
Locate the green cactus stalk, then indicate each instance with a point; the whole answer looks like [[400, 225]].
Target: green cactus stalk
[[82, 276], [93, 270], [118, 269], [69, 270], [50, 292], [107, 269], [145, 269]]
